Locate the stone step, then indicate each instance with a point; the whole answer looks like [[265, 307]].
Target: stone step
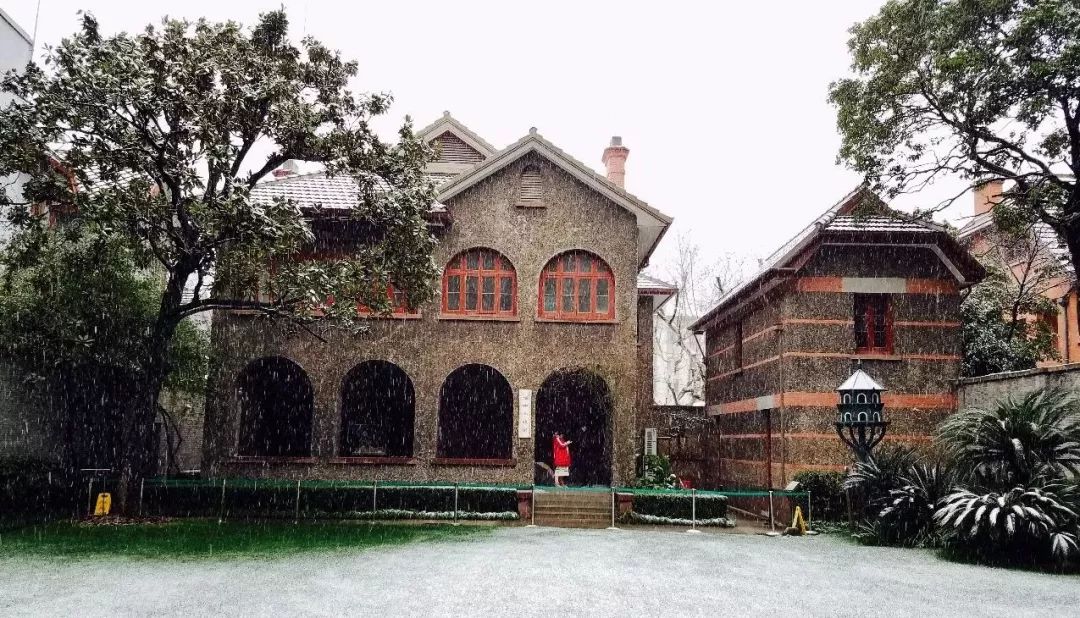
[[563, 512], [573, 523]]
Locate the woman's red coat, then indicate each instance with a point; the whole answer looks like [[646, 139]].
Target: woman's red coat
[[562, 453]]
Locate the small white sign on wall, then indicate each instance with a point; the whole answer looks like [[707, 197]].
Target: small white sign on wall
[[524, 413]]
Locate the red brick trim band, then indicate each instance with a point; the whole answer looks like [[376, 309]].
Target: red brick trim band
[[932, 401]]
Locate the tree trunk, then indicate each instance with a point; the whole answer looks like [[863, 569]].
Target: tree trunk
[[137, 454], [137, 447]]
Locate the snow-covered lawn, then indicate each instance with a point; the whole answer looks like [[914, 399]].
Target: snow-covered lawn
[[545, 572]]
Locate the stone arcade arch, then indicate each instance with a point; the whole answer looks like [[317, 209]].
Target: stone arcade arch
[[276, 409], [576, 403], [377, 411], [476, 414]]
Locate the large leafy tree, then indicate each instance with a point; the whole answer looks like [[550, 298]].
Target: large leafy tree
[[155, 142], [983, 89], [1007, 316]]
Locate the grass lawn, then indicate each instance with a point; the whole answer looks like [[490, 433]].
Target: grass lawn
[[199, 538]]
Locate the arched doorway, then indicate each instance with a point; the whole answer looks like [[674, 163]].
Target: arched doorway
[[476, 414], [576, 403], [377, 411], [276, 404]]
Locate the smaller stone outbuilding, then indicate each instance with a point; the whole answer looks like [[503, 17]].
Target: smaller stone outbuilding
[[862, 283]]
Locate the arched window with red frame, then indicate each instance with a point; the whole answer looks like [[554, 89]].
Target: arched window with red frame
[[577, 286], [479, 282]]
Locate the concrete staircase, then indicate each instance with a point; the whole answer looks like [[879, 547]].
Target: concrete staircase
[[572, 509]]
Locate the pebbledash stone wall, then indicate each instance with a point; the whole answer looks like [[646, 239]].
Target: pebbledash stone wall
[[798, 345], [986, 391], [525, 351]]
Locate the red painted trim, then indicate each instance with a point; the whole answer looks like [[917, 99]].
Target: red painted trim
[[458, 268], [453, 317], [598, 271], [465, 461]]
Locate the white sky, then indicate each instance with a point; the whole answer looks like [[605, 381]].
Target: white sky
[[722, 104]]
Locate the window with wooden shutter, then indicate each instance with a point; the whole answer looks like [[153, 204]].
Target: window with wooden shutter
[[873, 324], [531, 191]]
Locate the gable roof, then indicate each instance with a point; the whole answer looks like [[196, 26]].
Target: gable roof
[[1044, 236], [450, 124], [652, 224], [841, 220]]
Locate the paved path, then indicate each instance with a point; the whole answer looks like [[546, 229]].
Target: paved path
[[547, 572]]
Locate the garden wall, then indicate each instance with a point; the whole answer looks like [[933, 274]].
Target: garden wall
[[984, 391]]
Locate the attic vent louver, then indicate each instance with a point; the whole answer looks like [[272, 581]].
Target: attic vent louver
[[453, 150], [531, 193]]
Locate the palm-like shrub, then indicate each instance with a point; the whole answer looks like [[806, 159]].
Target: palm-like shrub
[[1028, 441], [885, 471], [908, 515], [1023, 524]]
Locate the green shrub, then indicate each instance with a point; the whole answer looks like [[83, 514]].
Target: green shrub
[[826, 495], [1024, 441], [679, 506], [278, 499], [907, 517], [657, 473], [1025, 525], [32, 490]]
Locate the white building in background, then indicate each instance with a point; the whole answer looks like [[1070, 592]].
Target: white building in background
[[16, 49], [678, 362]]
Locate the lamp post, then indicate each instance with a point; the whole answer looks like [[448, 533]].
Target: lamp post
[[860, 420]]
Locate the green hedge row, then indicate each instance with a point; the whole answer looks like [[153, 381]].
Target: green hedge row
[[35, 493], [273, 501], [679, 507]]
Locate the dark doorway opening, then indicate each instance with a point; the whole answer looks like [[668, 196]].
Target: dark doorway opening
[[377, 411], [476, 414], [577, 404], [276, 403]]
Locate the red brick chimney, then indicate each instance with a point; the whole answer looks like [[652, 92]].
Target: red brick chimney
[[288, 168], [987, 195], [615, 160]]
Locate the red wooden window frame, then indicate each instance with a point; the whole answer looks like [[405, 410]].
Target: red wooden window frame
[[588, 279], [398, 302], [873, 324], [480, 265]]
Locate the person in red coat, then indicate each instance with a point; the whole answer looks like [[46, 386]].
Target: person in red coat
[[561, 449]]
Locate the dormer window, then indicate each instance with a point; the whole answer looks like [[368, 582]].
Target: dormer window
[[531, 189]]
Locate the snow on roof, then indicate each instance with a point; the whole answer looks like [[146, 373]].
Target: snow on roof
[[839, 219], [650, 284], [860, 381], [317, 190]]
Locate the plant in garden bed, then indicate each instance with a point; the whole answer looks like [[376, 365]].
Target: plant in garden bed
[[826, 493], [1022, 525], [657, 473], [907, 517], [1020, 503]]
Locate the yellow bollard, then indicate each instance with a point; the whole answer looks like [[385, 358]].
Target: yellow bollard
[[104, 503]]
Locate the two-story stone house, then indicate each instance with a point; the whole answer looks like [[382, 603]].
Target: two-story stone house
[[538, 327], [860, 284]]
